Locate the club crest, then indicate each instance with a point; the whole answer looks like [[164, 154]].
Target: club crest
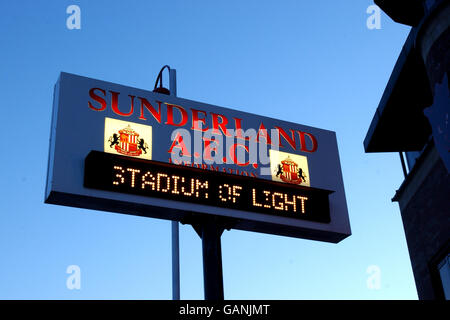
[[127, 142], [289, 168], [127, 138], [289, 171]]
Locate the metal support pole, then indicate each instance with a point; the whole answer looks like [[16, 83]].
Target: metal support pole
[[173, 82], [175, 261], [212, 260], [210, 231], [175, 225]]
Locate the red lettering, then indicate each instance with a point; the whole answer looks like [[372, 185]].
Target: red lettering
[[233, 154], [196, 120], [313, 140], [146, 104], [208, 149], [184, 115], [179, 144], [222, 125], [98, 99], [290, 140], [115, 104], [239, 131], [263, 131]]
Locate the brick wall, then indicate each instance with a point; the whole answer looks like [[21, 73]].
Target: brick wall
[[426, 220]]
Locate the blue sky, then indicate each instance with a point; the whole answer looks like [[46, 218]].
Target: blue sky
[[310, 62]]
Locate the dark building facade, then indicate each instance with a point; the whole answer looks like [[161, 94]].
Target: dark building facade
[[413, 119]]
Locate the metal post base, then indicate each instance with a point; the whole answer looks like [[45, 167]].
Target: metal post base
[[210, 230]]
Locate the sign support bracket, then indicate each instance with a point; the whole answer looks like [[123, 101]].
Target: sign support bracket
[[210, 231]]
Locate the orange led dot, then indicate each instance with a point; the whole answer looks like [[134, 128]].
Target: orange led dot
[[158, 182], [183, 189], [235, 193], [280, 205], [199, 185], [221, 196], [254, 199], [133, 175], [119, 175], [148, 179], [175, 184], [267, 193], [302, 199], [288, 202]]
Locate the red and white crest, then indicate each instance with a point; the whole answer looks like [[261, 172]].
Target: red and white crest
[[128, 144], [289, 167], [128, 138], [290, 171]]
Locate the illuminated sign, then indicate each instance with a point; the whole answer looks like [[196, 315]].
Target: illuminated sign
[[128, 138], [161, 180], [289, 168], [122, 149]]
